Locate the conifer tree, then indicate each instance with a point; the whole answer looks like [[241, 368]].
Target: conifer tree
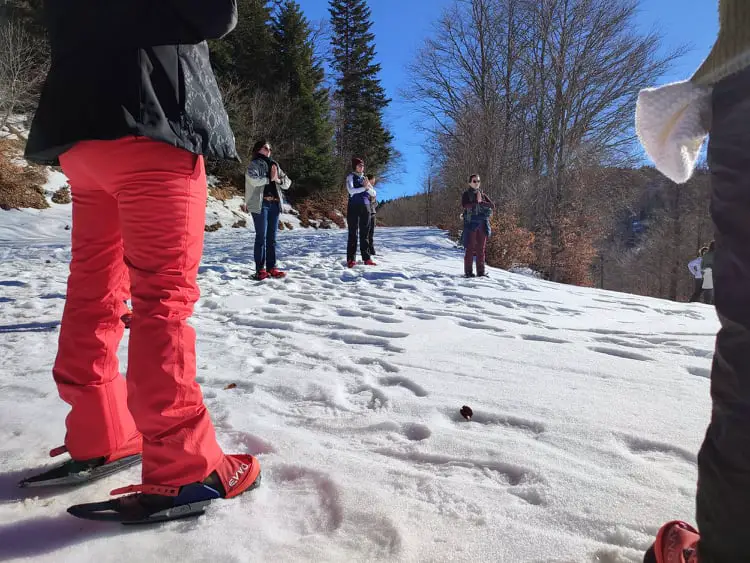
[[360, 98], [308, 140]]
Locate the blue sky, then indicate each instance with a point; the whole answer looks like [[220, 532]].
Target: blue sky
[[400, 26]]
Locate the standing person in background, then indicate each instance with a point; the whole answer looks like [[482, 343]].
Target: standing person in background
[[697, 271], [672, 123], [264, 182], [129, 108], [358, 213], [373, 214], [707, 267], [477, 211]]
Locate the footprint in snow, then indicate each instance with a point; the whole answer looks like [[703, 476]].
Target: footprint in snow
[[405, 382], [496, 419], [699, 372], [627, 354]]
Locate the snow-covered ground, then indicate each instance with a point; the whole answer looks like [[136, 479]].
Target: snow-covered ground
[[589, 408]]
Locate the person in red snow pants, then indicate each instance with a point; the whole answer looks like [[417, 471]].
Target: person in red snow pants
[[145, 202], [129, 109]]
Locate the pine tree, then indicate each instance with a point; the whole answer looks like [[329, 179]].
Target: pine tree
[[308, 140], [360, 99], [245, 55]]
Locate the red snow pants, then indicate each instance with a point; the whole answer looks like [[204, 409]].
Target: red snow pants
[[138, 215], [476, 245]]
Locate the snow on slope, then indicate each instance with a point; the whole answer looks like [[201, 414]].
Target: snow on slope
[[589, 408]]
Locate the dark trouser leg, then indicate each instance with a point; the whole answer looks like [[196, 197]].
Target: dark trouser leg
[[697, 290], [723, 502], [364, 230], [708, 296], [470, 247], [371, 235], [272, 227], [260, 220], [352, 220], [481, 250]]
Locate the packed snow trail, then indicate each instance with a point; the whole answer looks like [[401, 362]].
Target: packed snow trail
[[589, 408]]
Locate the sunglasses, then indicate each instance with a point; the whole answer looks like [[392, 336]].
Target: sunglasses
[[476, 181]]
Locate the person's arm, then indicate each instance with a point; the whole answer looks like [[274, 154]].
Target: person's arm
[[284, 181], [350, 186], [695, 267], [256, 174], [210, 19], [487, 202]]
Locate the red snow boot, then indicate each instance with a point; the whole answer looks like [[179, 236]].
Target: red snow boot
[[276, 273], [260, 275], [351, 264], [676, 542], [370, 263]]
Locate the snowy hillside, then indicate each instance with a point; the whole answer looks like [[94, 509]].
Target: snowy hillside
[[589, 408]]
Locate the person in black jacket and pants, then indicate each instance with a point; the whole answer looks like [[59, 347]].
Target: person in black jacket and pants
[[129, 109], [358, 213]]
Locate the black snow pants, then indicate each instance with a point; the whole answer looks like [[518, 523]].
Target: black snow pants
[[723, 502]]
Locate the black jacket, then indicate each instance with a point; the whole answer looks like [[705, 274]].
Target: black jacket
[[133, 67]]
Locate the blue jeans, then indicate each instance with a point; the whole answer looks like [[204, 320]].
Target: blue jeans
[[266, 226]]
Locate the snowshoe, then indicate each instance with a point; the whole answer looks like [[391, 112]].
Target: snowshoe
[[152, 504], [73, 472]]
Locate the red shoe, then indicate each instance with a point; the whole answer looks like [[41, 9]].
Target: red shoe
[[260, 275], [370, 263], [351, 264], [676, 542], [276, 273]]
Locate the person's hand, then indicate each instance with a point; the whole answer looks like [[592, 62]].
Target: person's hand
[[274, 173], [243, 208]]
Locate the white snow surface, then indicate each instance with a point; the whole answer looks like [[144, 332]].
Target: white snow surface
[[589, 408]]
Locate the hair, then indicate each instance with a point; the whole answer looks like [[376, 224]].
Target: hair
[[356, 161], [371, 177], [702, 251], [712, 245], [259, 145], [472, 177]]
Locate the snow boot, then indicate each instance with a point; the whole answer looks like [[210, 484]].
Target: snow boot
[[158, 503], [260, 275], [79, 472], [276, 273], [469, 275], [370, 263], [351, 264], [676, 542]]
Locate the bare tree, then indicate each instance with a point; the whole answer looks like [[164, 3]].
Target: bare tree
[[23, 66], [536, 95]]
